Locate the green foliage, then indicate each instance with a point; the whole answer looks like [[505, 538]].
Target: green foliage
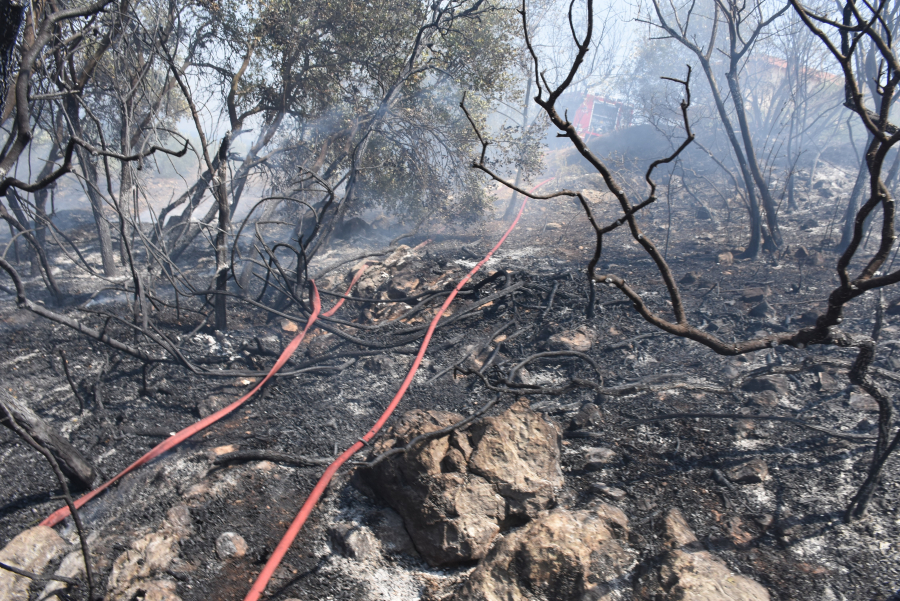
[[332, 66]]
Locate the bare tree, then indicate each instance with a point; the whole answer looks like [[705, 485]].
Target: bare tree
[[828, 329], [744, 24]]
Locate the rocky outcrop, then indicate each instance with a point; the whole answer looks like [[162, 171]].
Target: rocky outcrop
[[561, 556], [685, 572], [456, 493], [31, 550]]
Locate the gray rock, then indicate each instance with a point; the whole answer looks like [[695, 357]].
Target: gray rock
[[596, 458], [765, 521], [751, 472], [730, 372], [230, 544], [860, 401], [777, 383], [688, 573], [388, 528], [766, 399], [455, 492], [352, 541], [809, 224], [827, 382], [893, 307], [270, 345], [588, 415], [544, 560], [144, 566], [402, 285], [579, 340], [865, 425], [744, 428], [763, 309], [691, 277], [616, 494], [755, 295], [380, 364]]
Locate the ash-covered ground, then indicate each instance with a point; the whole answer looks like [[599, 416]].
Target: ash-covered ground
[[785, 531]]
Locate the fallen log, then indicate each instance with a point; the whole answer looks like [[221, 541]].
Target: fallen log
[[72, 463]]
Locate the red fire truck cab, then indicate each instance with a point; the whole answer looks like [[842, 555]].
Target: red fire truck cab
[[597, 116]]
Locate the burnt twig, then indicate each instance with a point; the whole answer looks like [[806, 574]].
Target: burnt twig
[[777, 418], [273, 456], [65, 364], [37, 577]]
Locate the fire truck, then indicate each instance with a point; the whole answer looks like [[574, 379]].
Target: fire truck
[[597, 116]]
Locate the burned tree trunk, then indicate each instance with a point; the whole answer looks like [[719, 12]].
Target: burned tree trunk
[[13, 14], [853, 203], [71, 461], [221, 194]]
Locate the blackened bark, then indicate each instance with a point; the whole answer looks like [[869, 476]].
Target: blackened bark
[[71, 461], [41, 196], [103, 234], [853, 207], [89, 172], [767, 200], [753, 212], [221, 193], [26, 233], [12, 13]]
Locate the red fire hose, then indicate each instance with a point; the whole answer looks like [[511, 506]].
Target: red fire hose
[[286, 541], [62, 513], [263, 579]]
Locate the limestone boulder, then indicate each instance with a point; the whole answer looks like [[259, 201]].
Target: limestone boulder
[[699, 576], [230, 544], [561, 556], [749, 472], [457, 492], [517, 452], [31, 550]]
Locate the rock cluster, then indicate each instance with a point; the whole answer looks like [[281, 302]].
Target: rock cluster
[[457, 492], [487, 495], [561, 555]]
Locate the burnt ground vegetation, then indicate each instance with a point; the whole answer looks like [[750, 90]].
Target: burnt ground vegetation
[[653, 394]]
